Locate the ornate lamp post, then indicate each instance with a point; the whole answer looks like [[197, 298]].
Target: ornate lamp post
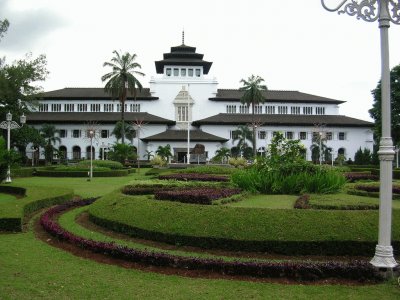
[[385, 11], [10, 124], [91, 133]]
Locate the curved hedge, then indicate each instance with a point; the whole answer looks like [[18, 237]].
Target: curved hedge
[[55, 173], [13, 212], [320, 232], [355, 270]]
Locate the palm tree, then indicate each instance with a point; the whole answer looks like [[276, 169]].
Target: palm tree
[[164, 152], [49, 133], [243, 135], [129, 131], [222, 154], [253, 88], [121, 80], [319, 150]]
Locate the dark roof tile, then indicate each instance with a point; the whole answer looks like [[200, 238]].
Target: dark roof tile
[[181, 135]]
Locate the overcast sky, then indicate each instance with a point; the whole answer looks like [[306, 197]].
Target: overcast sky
[[292, 44]]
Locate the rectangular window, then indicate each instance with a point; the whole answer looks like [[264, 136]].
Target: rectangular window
[[63, 133], [262, 135], [43, 107], [104, 134], [320, 110], [119, 107], [329, 136], [295, 110], [168, 71], [134, 107], [198, 72], [234, 134], [303, 135], [182, 113], [82, 107], [108, 107], [69, 107], [76, 133], [190, 72], [243, 109], [282, 110], [56, 107], [307, 110], [257, 109], [231, 109], [289, 135], [94, 107], [270, 110], [342, 136], [176, 72], [183, 72]]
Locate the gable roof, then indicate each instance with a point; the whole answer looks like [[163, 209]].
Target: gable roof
[[92, 94], [181, 135], [275, 96], [281, 120], [101, 117]]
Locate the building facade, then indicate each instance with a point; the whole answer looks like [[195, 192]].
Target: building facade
[[182, 95]]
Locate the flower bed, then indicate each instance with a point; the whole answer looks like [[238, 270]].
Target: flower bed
[[355, 176], [203, 196], [301, 271], [195, 176], [374, 188]]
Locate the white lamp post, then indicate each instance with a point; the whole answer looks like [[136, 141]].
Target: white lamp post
[[91, 133], [397, 157], [385, 11], [10, 124], [188, 125]]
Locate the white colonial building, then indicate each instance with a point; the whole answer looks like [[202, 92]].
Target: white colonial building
[[183, 93]]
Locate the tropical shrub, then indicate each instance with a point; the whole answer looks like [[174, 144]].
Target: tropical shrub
[[237, 162], [122, 153], [157, 160]]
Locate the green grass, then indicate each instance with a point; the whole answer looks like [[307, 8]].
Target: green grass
[[31, 269], [241, 223], [6, 198], [266, 201], [97, 187]]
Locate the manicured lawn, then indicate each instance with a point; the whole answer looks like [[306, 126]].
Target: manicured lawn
[[30, 269], [97, 187], [6, 198], [266, 201]]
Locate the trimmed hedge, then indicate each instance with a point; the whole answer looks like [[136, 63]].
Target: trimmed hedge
[[355, 176], [13, 213], [204, 196], [370, 191], [8, 189], [290, 232], [22, 172], [355, 270], [303, 202], [194, 176], [111, 173], [113, 165]]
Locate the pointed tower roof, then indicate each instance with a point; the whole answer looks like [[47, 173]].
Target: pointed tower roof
[[183, 56]]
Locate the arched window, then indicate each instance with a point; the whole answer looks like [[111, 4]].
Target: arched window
[[88, 152], [76, 152], [62, 152], [342, 151]]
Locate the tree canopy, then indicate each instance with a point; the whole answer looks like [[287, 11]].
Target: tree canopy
[[376, 110]]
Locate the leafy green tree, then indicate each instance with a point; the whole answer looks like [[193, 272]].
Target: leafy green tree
[[376, 111], [363, 157], [121, 80], [50, 136], [130, 132], [222, 155], [18, 81], [243, 136], [319, 149], [253, 88], [3, 159], [149, 155], [122, 153], [26, 135], [164, 152]]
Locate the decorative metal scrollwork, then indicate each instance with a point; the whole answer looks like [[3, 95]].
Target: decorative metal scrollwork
[[368, 10]]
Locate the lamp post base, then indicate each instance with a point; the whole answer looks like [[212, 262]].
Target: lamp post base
[[8, 178], [384, 257]]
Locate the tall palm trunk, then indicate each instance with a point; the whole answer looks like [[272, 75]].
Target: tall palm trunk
[[254, 129], [122, 101]]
